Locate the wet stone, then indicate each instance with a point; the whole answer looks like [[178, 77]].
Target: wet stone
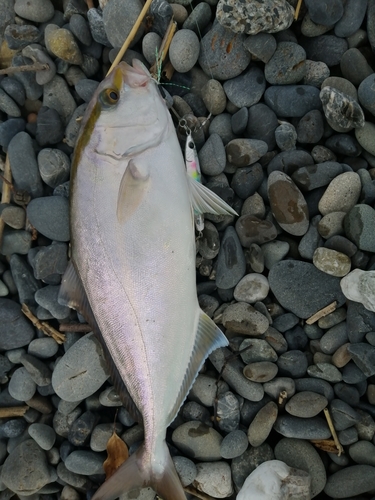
[[231, 265], [244, 319], [198, 441], [287, 65], [269, 16], [306, 404], [223, 65], [246, 89], [251, 229], [262, 123], [292, 100], [212, 157], [287, 204]]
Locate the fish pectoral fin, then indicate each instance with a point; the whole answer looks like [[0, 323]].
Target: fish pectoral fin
[[130, 476], [133, 187], [208, 338], [72, 294], [205, 201]]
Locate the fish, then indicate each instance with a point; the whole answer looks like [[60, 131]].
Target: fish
[[193, 169], [132, 267]]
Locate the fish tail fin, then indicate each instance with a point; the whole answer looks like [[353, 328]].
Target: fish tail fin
[[136, 473]]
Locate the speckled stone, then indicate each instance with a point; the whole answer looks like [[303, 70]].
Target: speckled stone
[[269, 16], [287, 204], [244, 319], [341, 194], [184, 50], [252, 288], [331, 262], [341, 109], [316, 73]]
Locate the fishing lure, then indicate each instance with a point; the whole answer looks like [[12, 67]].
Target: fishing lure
[[194, 171]]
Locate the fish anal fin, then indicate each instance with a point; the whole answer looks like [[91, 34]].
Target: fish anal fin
[[133, 188], [72, 294], [205, 201], [136, 473], [208, 338]]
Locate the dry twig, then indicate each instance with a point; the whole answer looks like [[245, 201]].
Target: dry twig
[[75, 327], [43, 326], [36, 66], [6, 195], [130, 36], [163, 51], [13, 411], [333, 431], [320, 314], [298, 8]]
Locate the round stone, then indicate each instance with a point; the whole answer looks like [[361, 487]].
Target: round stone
[[38, 11], [341, 194], [184, 50], [214, 479], [21, 386], [287, 65], [331, 262], [234, 444], [15, 330], [252, 288], [62, 44], [246, 89], [43, 435], [242, 318], [186, 470], [306, 404], [287, 204], [261, 371], [54, 166], [85, 462], [198, 441], [50, 216]]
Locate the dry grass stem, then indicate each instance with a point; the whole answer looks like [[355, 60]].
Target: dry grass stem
[[43, 326], [333, 431], [164, 47], [7, 193], [21, 69], [75, 327], [130, 36], [298, 8], [13, 411], [320, 314], [196, 493]]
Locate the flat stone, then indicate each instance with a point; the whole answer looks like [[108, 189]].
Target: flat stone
[[351, 481], [306, 404], [302, 428], [251, 229], [85, 462], [81, 371], [287, 204], [247, 88], [302, 289], [242, 318], [234, 444], [50, 216], [262, 424], [292, 100], [260, 371], [39, 11], [325, 371], [198, 441]]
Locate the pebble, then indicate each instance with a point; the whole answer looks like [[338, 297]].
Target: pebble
[[184, 50], [324, 12], [251, 288], [100, 435], [49, 127], [80, 29], [213, 96], [328, 49], [262, 123], [212, 157], [306, 404], [231, 264], [316, 73], [13, 216], [303, 289], [232, 374], [118, 21], [286, 136], [262, 424], [331, 262], [287, 204], [332, 224], [246, 89], [341, 110], [251, 229], [302, 428], [325, 371], [81, 429], [8, 106], [54, 166], [351, 481], [365, 137], [243, 465], [50, 216], [72, 383], [287, 65], [86, 88], [199, 18], [270, 16], [56, 95], [234, 444], [15, 330], [357, 286], [278, 385], [204, 390], [363, 356], [221, 124], [246, 180], [26, 470], [301, 454], [274, 252], [357, 224], [256, 350], [243, 152], [14, 89], [343, 415], [366, 93], [351, 20], [292, 363], [261, 45], [62, 44], [43, 435], [39, 11], [292, 100], [21, 386], [244, 319], [85, 462], [341, 194], [214, 479], [186, 469], [363, 452], [150, 45], [214, 58], [198, 441]]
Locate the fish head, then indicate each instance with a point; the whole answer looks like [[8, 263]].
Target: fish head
[[126, 114]]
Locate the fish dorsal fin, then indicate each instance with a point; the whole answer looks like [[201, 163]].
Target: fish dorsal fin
[[72, 294], [205, 201], [133, 187], [208, 338]]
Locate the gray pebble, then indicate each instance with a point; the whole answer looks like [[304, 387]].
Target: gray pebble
[[262, 424], [221, 124], [214, 59], [292, 100], [280, 384], [363, 355], [239, 121], [101, 434], [351, 481], [228, 412], [8, 106], [343, 415], [186, 469], [244, 319], [85, 462], [85, 88], [214, 478], [114, 17], [306, 404], [50, 216], [213, 96], [16, 241], [301, 454], [286, 136], [81, 429], [243, 152], [184, 50], [310, 128], [27, 78], [199, 18], [316, 73], [246, 180], [212, 157], [262, 123], [366, 93], [198, 441], [194, 411], [204, 390], [325, 48], [234, 444], [80, 29], [243, 465], [43, 435], [246, 89], [21, 386], [54, 166], [50, 260], [15, 330], [262, 46], [287, 65], [14, 89], [302, 428], [351, 20], [62, 423], [348, 436], [43, 348], [68, 380], [150, 45], [47, 297], [324, 12], [56, 95], [231, 265], [292, 364]]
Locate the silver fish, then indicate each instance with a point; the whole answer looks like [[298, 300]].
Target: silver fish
[[132, 273]]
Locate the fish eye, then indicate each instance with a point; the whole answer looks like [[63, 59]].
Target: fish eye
[[109, 97], [191, 145]]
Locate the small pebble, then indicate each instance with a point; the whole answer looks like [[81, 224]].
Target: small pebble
[[234, 444], [184, 50], [214, 479], [262, 424], [43, 435], [198, 441], [306, 404], [246, 89]]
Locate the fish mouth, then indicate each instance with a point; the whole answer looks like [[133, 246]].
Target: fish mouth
[[134, 76]]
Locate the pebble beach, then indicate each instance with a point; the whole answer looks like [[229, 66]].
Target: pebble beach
[[280, 98]]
